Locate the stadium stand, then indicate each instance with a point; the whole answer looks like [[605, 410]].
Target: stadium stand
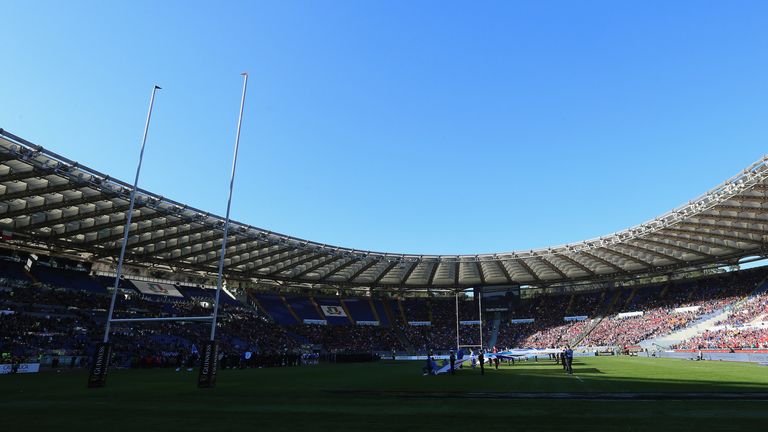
[[587, 292], [381, 311], [13, 270], [305, 309], [58, 313], [275, 306], [360, 309], [744, 338], [65, 278]]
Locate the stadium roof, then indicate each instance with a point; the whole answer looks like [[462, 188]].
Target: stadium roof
[[52, 202]]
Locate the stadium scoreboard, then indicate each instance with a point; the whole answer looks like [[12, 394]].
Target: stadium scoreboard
[[501, 298]]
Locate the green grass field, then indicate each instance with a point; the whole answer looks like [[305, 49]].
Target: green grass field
[[394, 396]]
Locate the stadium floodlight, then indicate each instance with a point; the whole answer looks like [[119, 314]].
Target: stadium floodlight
[[209, 357], [102, 356]]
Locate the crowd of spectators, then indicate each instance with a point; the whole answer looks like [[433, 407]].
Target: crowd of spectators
[[754, 308], [732, 339], [440, 334], [745, 327], [348, 338], [37, 322], [631, 330], [40, 320], [549, 328], [657, 304]]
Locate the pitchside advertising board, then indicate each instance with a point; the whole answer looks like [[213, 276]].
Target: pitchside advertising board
[[20, 368], [28, 368]]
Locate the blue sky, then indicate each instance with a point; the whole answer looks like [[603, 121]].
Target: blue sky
[[401, 126]]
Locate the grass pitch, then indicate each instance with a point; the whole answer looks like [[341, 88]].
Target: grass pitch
[[394, 396]]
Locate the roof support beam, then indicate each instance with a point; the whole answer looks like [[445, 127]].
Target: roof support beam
[[216, 248], [111, 224], [339, 268], [456, 271], [178, 234], [311, 257], [604, 262], [705, 242], [643, 263], [749, 198], [503, 268], [310, 269], [553, 267], [650, 251], [433, 272], [739, 209], [528, 269], [672, 247], [259, 256], [741, 219], [479, 266], [386, 270], [577, 264], [713, 235], [408, 273], [134, 233], [362, 269], [278, 260], [761, 233]]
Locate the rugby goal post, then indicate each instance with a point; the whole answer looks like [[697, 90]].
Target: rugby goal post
[[209, 355], [459, 345]]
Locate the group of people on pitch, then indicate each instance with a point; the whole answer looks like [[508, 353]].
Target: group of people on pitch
[[565, 357], [476, 358]]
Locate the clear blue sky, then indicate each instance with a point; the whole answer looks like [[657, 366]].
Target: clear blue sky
[[401, 126]]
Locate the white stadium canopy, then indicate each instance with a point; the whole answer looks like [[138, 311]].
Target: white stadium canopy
[[50, 202]]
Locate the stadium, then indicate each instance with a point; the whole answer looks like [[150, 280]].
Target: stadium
[[635, 301], [127, 310]]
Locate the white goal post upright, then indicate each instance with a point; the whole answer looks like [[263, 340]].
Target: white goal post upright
[[97, 377], [128, 216], [480, 314], [456, 294], [209, 356], [229, 206]]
